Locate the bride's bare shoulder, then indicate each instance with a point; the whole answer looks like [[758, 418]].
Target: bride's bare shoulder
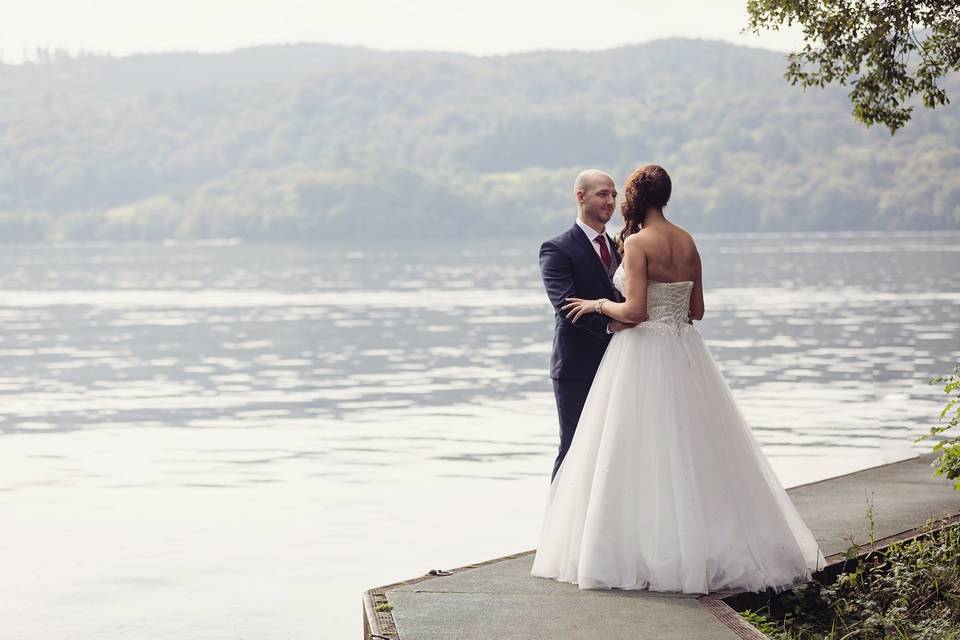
[[683, 232], [686, 238], [637, 241]]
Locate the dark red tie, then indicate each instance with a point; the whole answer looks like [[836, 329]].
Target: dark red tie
[[604, 250]]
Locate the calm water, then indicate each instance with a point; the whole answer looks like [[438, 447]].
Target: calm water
[[234, 441]]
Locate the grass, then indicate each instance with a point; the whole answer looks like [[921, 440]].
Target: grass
[[909, 590]]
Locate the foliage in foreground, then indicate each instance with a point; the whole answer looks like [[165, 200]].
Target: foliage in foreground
[[948, 463], [888, 51], [908, 590]]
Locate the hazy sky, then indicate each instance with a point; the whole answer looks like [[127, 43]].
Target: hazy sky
[[482, 27]]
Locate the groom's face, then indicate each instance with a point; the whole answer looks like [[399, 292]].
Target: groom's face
[[599, 199]]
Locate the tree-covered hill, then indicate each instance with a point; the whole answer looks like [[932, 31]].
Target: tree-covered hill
[[317, 141]]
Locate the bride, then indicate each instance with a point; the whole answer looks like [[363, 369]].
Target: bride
[[664, 486]]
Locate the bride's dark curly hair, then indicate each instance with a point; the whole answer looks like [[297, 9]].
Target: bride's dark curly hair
[[648, 187]]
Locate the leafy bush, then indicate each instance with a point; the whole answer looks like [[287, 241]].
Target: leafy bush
[[948, 463], [911, 590]]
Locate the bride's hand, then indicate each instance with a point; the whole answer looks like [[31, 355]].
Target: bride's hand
[[576, 307]]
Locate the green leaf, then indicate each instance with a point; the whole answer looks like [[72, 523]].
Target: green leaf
[[873, 46]]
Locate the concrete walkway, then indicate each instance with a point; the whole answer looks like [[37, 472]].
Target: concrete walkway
[[501, 600]]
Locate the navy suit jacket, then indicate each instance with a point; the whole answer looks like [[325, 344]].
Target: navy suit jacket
[[571, 268]]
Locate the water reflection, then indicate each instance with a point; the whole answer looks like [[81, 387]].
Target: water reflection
[[216, 424], [259, 336]]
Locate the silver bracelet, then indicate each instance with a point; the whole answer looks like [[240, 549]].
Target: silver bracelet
[[598, 307]]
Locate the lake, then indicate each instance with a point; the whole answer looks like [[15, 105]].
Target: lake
[[226, 440]]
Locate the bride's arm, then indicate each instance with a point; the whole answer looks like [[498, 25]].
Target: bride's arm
[[696, 298], [634, 310], [556, 269]]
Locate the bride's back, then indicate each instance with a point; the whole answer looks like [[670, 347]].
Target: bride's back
[[671, 253]]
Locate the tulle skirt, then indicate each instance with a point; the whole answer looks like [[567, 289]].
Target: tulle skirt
[[664, 486]]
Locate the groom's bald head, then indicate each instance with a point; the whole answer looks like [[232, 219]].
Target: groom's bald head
[[596, 196], [586, 180]]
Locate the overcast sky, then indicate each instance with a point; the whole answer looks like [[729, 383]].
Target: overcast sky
[[122, 27]]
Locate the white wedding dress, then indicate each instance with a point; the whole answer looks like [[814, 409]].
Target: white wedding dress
[[664, 486]]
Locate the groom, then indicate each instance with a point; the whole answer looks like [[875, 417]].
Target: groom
[[580, 263]]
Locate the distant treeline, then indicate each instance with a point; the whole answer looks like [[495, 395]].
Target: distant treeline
[[316, 142]]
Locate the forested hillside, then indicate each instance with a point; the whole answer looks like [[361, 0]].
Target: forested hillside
[[316, 142]]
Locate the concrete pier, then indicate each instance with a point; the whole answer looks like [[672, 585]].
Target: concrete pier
[[500, 600]]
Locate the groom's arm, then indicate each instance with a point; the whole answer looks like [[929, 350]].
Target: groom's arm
[[556, 269]]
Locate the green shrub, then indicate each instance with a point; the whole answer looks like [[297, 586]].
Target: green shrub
[[909, 590], [948, 463]]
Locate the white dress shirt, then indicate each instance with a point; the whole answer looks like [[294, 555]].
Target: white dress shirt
[[592, 237]]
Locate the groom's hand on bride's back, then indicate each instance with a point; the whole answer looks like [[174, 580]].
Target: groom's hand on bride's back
[[616, 325]]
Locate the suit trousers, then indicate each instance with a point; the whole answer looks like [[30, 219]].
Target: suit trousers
[[571, 396]]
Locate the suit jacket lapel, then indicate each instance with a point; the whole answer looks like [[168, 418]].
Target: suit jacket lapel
[[592, 256]]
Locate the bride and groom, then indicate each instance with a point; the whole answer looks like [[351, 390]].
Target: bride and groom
[[659, 483]]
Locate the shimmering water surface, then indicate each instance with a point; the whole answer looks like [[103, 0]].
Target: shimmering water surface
[[234, 441]]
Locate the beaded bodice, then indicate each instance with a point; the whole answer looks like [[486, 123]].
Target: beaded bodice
[[667, 303]]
